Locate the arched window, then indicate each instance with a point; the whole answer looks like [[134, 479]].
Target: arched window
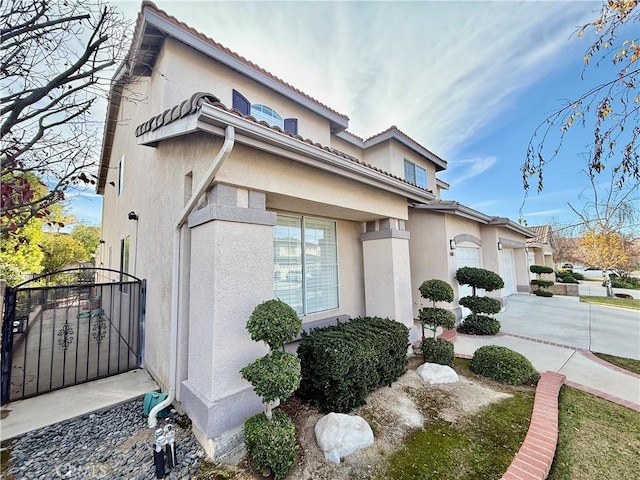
[[267, 114]]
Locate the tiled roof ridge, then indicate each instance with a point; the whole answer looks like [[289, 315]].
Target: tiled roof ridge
[[394, 128], [171, 18], [194, 103]]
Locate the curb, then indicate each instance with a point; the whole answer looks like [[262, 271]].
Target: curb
[[533, 460]]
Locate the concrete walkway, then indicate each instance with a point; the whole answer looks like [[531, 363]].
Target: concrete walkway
[[23, 416], [556, 334]]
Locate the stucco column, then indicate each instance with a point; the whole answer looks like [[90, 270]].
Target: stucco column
[[231, 272], [387, 272]]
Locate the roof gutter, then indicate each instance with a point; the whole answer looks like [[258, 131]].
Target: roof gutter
[[227, 146]]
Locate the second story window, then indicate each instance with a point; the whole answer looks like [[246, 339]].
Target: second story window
[[267, 114], [415, 174]]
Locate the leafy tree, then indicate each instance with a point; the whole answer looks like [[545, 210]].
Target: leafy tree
[[605, 251], [60, 250], [436, 350], [55, 60], [22, 255], [89, 237], [613, 107]]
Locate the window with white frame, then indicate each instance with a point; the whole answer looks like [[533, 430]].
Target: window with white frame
[[415, 174], [305, 258], [267, 114]]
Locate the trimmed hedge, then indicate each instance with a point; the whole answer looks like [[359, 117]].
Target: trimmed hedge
[[479, 278], [271, 444], [481, 304], [437, 350], [504, 365], [481, 325], [539, 269], [342, 364], [543, 293], [437, 317]]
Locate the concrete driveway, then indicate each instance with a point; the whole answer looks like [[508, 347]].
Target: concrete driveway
[[567, 321]]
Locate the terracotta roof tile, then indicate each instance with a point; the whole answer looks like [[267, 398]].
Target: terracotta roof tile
[[194, 103]]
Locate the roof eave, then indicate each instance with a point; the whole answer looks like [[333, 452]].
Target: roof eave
[[213, 120]]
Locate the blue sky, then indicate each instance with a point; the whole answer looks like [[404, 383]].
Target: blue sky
[[468, 80]]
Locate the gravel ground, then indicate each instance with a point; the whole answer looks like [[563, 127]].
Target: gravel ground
[[111, 444]]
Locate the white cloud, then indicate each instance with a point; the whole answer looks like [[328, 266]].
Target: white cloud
[[441, 71], [462, 170], [544, 213]]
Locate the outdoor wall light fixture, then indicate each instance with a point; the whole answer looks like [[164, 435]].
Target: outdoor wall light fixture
[[499, 245], [452, 244], [133, 216]]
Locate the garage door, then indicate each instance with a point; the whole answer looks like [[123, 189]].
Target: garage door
[[506, 256], [467, 257]]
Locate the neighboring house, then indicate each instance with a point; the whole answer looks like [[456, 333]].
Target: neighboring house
[[293, 207], [540, 249]]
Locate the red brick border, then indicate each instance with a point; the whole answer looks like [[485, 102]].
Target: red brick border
[[533, 460]]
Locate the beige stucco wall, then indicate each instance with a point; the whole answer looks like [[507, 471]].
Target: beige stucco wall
[[157, 183], [346, 147], [308, 189], [390, 156], [186, 71]]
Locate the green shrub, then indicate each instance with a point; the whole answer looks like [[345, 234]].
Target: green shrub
[[504, 365], [274, 322], [541, 283], [342, 364], [274, 376], [271, 444], [436, 290], [625, 282], [437, 350], [479, 278], [481, 304], [270, 437], [539, 269], [543, 293], [479, 325], [566, 277], [578, 276], [437, 317]]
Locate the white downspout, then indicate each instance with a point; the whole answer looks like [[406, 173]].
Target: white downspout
[[229, 139]]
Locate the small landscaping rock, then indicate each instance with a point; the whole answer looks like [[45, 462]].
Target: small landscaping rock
[[338, 435], [434, 373]]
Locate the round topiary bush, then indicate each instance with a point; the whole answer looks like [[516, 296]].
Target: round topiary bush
[[271, 444], [437, 350], [275, 322], [438, 317], [481, 304], [274, 376], [479, 278], [436, 290], [504, 365], [540, 269], [480, 325]]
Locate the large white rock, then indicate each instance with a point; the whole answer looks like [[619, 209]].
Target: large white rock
[[434, 373], [338, 435]]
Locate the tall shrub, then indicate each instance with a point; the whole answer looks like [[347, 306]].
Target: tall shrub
[[436, 350], [478, 323], [541, 285], [270, 437], [343, 363]]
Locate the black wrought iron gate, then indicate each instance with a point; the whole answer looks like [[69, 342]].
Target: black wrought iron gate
[[83, 328]]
